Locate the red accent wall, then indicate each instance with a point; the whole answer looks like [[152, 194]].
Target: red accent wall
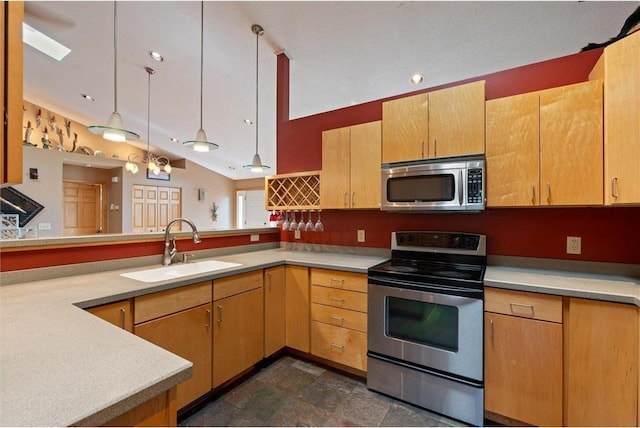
[[30, 259], [609, 234]]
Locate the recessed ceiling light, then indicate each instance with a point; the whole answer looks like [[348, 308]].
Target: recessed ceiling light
[[87, 97], [156, 56], [417, 78], [232, 168], [43, 43], [248, 121], [174, 140]]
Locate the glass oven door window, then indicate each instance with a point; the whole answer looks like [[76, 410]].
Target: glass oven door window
[[425, 323], [424, 188]]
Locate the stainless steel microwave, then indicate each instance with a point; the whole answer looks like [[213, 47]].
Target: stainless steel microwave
[[448, 184]]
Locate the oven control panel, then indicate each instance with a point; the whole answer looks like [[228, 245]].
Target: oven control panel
[[438, 241]]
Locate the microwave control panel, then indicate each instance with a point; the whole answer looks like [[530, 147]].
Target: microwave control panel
[[474, 186]]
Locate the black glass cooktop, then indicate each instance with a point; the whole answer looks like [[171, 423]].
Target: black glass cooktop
[[427, 269]]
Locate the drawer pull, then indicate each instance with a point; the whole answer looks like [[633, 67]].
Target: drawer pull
[[219, 314], [337, 320], [337, 300], [123, 313], [491, 321], [338, 281], [335, 345], [520, 306], [208, 318]]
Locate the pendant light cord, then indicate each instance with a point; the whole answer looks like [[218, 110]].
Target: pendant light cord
[[257, 39], [201, 55], [115, 59], [149, 73]]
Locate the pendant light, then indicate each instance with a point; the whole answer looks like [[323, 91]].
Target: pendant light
[[151, 164], [200, 143], [256, 164], [114, 129]]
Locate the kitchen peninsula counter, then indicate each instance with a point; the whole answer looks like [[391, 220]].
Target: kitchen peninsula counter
[[60, 365]]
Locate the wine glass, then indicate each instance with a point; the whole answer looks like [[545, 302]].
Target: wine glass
[[293, 225], [319, 226], [285, 223], [309, 226], [301, 225]]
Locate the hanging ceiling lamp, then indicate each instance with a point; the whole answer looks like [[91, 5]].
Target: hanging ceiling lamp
[[114, 129], [256, 164], [201, 144]]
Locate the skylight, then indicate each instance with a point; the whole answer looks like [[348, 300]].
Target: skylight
[[43, 43]]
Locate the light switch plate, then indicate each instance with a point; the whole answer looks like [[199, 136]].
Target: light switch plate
[[255, 237], [361, 235], [297, 234]]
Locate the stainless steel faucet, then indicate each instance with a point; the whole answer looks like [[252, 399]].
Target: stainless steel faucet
[[168, 255]]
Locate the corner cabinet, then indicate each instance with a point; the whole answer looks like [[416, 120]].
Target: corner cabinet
[[274, 310], [523, 357], [443, 123], [351, 167], [238, 335], [11, 51], [179, 320], [622, 121], [297, 308]]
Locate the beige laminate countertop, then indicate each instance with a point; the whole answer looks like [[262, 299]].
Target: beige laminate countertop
[[60, 365]]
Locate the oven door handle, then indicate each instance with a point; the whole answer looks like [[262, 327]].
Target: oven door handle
[[443, 289]]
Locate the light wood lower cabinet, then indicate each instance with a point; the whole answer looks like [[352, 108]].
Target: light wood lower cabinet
[[339, 317], [601, 351], [238, 335], [274, 310], [160, 411], [117, 313], [523, 356], [180, 321], [297, 325]]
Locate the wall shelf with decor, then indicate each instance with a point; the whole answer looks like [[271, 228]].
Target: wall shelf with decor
[[293, 191]]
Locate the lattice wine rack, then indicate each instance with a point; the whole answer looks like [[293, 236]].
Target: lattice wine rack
[[293, 191]]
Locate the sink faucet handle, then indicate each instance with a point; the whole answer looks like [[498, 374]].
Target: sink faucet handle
[[186, 257]]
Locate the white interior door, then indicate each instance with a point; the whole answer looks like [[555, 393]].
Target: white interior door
[[250, 209]]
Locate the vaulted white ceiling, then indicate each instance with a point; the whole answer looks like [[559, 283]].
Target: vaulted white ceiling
[[342, 53]]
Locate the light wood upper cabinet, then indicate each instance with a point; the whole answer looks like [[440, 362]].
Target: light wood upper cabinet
[[118, 313], [11, 54], [274, 310], [405, 128], [571, 144], [456, 120], [513, 151], [351, 167], [443, 123], [622, 121], [601, 353], [298, 311]]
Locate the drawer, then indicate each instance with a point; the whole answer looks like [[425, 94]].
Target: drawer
[[339, 279], [339, 298], [344, 346], [523, 304], [168, 302], [236, 284], [339, 317]]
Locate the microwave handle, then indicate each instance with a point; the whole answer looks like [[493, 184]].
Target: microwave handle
[[460, 188]]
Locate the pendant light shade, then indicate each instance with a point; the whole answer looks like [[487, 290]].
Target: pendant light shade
[[114, 129], [256, 164], [201, 143]]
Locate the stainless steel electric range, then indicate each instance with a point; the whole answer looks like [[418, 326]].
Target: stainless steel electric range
[[425, 323]]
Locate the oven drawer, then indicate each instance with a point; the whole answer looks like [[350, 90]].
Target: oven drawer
[[523, 304], [341, 345], [339, 279], [339, 298], [339, 317]]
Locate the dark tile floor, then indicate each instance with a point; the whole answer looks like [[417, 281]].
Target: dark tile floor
[[293, 392]]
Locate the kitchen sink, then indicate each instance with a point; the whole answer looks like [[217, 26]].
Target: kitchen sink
[[178, 270]]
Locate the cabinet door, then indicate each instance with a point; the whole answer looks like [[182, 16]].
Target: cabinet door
[[602, 363], [456, 120], [117, 313], [571, 144], [238, 337], [523, 369], [175, 203], [151, 209], [405, 128], [137, 208], [366, 140], [513, 151], [187, 334], [334, 188], [11, 50], [622, 121], [298, 310], [274, 310]]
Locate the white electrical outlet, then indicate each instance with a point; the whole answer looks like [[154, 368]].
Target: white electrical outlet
[[574, 245], [255, 237], [297, 234], [360, 235], [44, 226]]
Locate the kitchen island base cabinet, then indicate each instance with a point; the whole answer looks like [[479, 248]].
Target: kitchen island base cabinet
[[160, 411], [118, 313], [601, 353], [238, 332]]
